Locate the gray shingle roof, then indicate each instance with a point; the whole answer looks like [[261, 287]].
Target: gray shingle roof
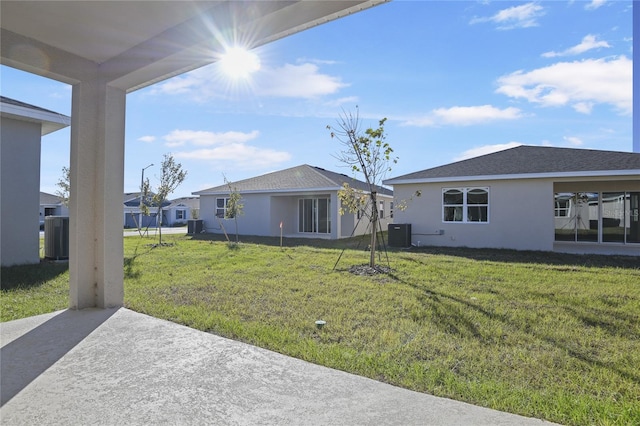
[[49, 199], [9, 101], [301, 178], [528, 160], [192, 202]]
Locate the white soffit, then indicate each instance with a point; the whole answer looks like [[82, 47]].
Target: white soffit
[[137, 43], [50, 121]]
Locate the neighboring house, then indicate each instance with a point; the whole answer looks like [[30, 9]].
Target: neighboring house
[[303, 200], [51, 205], [21, 128], [180, 211], [174, 213], [133, 217], [527, 198]]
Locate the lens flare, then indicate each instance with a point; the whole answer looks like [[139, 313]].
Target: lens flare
[[239, 63]]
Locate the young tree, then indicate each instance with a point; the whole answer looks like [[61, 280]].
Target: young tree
[[234, 205], [64, 183], [171, 177], [367, 153]]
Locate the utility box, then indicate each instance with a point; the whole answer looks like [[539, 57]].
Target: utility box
[[56, 237], [399, 234], [194, 226]]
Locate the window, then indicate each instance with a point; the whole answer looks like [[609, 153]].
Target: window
[[221, 207], [562, 205], [607, 217], [465, 205], [381, 210], [391, 209], [181, 214], [314, 215]]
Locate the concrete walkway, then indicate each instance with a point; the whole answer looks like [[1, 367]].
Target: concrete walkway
[[119, 367]]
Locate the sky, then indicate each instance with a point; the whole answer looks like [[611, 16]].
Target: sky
[[455, 79]]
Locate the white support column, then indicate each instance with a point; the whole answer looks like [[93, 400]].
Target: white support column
[[97, 179]]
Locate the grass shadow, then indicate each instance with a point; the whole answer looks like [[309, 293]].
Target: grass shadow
[[537, 257], [449, 313], [348, 243], [130, 262], [496, 255], [28, 276]]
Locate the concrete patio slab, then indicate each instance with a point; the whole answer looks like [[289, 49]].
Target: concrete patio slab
[[119, 367]]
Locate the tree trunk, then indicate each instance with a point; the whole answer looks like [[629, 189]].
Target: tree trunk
[[159, 223], [374, 228]]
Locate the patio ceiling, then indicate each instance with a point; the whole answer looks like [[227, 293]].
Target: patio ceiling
[[138, 43]]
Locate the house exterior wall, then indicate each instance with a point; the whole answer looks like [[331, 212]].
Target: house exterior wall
[[284, 209], [170, 216], [263, 213], [351, 225], [520, 215], [253, 221], [19, 211]]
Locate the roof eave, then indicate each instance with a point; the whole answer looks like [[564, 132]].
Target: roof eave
[[50, 121], [581, 174], [270, 191]]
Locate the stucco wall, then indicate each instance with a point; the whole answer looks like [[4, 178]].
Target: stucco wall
[[19, 204], [254, 220], [520, 215], [284, 209], [264, 212]]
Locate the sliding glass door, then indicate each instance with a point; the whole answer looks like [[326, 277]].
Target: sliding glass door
[[608, 217], [314, 215]]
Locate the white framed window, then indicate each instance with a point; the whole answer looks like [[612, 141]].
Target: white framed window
[[221, 207], [381, 210], [465, 205], [181, 214]]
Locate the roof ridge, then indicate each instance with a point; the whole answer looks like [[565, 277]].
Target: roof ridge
[[317, 170]]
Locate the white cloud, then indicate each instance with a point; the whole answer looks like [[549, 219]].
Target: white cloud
[[229, 148], [202, 138], [342, 101], [595, 4], [147, 139], [288, 81], [523, 16], [589, 42], [581, 84], [316, 61], [485, 149], [464, 116], [238, 155], [583, 107], [573, 140], [296, 81]]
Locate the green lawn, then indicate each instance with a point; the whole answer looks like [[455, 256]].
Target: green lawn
[[545, 335]]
